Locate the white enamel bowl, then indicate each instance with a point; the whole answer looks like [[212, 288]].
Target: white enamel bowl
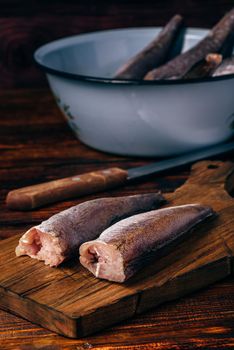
[[139, 118]]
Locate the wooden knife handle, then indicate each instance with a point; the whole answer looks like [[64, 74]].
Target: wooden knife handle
[[35, 196]]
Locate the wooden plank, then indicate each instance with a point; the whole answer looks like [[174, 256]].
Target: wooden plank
[[70, 301], [122, 9], [201, 320]]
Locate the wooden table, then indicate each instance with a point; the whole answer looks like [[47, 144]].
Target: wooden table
[[36, 145]]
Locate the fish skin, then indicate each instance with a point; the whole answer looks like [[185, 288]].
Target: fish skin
[[226, 67], [205, 68], [213, 42], [140, 234], [154, 54], [71, 227]]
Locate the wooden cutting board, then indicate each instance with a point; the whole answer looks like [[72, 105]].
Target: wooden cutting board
[[70, 301]]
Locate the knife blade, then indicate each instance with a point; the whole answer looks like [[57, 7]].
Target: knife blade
[[35, 196], [178, 161]]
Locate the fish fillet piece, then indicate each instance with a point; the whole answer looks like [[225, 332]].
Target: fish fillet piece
[[154, 54], [123, 248], [217, 38], [59, 237]]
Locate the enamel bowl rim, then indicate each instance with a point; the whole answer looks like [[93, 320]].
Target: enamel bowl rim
[[43, 50]]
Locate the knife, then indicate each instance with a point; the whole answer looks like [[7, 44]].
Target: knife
[[35, 196]]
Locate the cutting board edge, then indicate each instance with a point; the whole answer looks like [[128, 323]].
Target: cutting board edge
[[11, 302], [221, 268], [77, 325]]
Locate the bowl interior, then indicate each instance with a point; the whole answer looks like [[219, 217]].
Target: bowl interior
[[100, 54]]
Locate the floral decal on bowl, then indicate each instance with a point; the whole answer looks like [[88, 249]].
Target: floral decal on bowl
[[67, 112]]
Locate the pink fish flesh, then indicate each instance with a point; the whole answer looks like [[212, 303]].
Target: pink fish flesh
[[59, 237], [121, 249]]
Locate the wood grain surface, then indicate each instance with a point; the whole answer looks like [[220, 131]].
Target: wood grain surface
[[30, 126], [27, 24], [71, 301]]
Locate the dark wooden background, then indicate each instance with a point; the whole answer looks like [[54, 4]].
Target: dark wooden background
[[27, 24]]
